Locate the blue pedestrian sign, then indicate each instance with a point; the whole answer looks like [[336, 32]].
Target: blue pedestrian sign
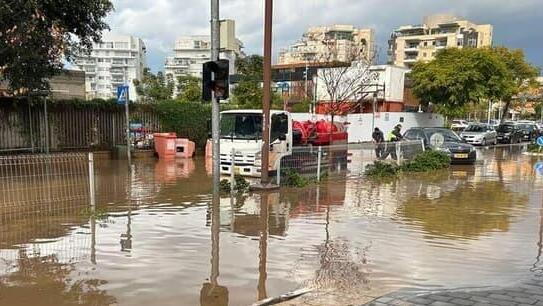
[[122, 94], [540, 141]]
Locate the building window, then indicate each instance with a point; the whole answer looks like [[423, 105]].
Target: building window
[[424, 54], [100, 60], [425, 43]]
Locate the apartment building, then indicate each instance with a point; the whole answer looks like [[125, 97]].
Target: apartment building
[[190, 52], [411, 43], [330, 43], [117, 60]]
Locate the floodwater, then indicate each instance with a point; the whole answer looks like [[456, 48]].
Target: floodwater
[[158, 239]]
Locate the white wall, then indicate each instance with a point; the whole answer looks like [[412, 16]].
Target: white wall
[[360, 127], [392, 77]]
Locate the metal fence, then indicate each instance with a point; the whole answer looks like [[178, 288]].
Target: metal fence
[[313, 163], [42, 198], [42, 185], [30, 128]]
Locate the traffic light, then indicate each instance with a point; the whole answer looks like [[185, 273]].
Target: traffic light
[[215, 79]]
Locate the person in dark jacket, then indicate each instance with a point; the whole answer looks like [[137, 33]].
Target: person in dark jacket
[[378, 139]]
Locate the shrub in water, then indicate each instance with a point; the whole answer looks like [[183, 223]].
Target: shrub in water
[[224, 186], [381, 169], [427, 161], [294, 179], [241, 183]]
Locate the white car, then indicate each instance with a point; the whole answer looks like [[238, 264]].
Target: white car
[[480, 134], [459, 125]]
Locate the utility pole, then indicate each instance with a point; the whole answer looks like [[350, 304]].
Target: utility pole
[[215, 107], [268, 21]]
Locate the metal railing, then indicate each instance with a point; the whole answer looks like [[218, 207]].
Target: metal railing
[[313, 163]]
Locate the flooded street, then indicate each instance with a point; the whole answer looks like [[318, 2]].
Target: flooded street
[[157, 239]]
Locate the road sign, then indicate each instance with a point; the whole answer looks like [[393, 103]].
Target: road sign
[[540, 141], [122, 94]]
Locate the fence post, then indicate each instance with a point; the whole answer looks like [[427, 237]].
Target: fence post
[[319, 157], [398, 152], [422, 143], [91, 182], [232, 166]]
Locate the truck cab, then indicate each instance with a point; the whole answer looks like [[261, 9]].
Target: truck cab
[[241, 140]]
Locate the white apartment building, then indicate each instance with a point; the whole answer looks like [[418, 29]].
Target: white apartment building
[[315, 45], [411, 43], [190, 52], [117, 60]]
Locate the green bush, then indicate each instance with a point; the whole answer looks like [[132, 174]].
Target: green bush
[[427, 161], [188, 120], [292, 178], [242, 185], [224, 186], [534, 148], [381, 169]]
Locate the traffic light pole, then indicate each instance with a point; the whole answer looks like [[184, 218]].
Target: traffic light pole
[[266, 96], [215, 109]]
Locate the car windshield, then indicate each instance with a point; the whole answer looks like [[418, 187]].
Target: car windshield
[[505, 128], [476, 128], [448, 135], [241, 126], [526, 127]]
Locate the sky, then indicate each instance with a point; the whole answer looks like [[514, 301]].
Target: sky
[[517, 24]]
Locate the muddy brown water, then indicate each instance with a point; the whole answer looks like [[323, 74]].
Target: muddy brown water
[[157, 238]]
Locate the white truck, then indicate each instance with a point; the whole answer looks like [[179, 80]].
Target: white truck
[[241, 136]]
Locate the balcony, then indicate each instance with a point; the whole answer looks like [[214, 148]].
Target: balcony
[[411, 48], [410, 59]]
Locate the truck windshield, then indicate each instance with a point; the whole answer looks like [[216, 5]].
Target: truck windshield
[[241, 126]]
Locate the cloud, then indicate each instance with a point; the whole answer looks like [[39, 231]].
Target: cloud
[[517, 24]]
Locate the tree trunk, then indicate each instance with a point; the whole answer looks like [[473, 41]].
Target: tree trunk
[[505, 110]]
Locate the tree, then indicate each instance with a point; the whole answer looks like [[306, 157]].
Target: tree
[[36, 36], [189, 88], [347, 81], [457, 78], [523, 73], [153, 88], [248, 91]]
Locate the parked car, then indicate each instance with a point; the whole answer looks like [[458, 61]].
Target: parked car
[[444, 140], [459, 125], [529, 131], [509, 133], [480, 134]]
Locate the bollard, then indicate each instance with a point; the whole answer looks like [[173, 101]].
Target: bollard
[[319, 157], [232, 172], [422, 143], [91, 182]]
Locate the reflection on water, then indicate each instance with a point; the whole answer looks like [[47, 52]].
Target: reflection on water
[[167, 241], [465, 212]]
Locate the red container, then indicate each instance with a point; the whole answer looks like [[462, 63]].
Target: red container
[[165, 145]]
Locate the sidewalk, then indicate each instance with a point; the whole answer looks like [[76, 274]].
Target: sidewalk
[[526, 293]]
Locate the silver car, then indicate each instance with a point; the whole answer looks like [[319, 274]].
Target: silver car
[[480, 134]]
